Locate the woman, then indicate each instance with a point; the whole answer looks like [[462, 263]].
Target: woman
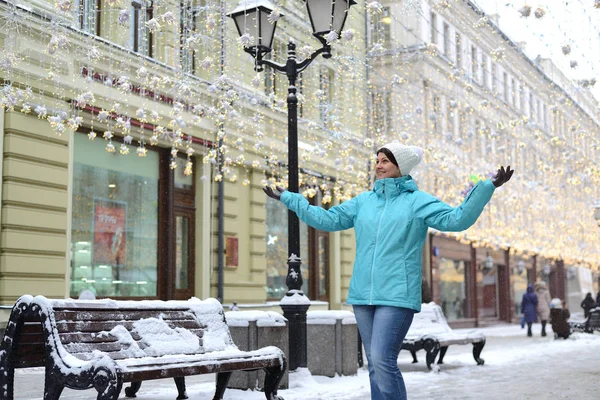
[[543, 305], [587, 304], [528, 308], [390, 224], [559, 315]]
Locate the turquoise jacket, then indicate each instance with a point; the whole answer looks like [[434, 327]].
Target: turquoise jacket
[[390, 223]]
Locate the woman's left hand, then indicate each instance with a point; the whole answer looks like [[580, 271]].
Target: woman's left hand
[[502, 176]]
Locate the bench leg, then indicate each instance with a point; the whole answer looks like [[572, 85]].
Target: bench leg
[[133, 389], [52, 389], [222, 380], [272, 379], [432, 347], [443, 351], [414, 356], [180, 383], [477, 348]]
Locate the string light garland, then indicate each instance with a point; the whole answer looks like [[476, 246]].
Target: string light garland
[[161, 73]]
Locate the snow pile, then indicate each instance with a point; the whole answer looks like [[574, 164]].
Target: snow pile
[[262, 318]]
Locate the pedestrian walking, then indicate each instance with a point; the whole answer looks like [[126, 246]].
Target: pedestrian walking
[[528, 308], [587, 304], [543, 305], [390, 223], [559, 315]]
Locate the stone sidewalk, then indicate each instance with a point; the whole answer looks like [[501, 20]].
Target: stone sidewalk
[[516, 367]]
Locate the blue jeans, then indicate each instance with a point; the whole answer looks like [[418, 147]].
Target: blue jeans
[[382, 330]]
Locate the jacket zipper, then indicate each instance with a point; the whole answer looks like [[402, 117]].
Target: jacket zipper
[[375, 249]]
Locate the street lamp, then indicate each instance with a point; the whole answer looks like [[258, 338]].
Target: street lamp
[[253, 21], [488, 263]]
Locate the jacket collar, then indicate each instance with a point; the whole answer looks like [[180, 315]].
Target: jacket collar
[[395, 186]]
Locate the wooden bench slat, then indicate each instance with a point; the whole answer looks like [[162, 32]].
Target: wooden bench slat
[[107, 326], [149, 372], [112, 315]]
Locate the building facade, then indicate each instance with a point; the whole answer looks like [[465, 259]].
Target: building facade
[[126, 123], [445, 77]]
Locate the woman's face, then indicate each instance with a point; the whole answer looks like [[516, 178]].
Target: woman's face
[[385, 168]]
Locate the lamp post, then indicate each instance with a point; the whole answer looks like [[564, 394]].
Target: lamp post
[[256, 26]]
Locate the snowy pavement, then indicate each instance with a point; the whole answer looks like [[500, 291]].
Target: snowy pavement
[[516, 367]]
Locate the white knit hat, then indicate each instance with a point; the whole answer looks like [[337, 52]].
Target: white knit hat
[[407, 157], [556, 303]]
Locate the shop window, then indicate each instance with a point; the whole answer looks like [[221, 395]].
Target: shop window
[[453, 291], [518, 283], [122, 229], [314, 252], [114, 222], [277, 250], [487, 286]]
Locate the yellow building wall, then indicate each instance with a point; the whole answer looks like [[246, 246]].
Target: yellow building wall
[[35, 181]]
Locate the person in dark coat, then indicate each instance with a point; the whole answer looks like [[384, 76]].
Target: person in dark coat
[[587, 304], [528, 307], [598, 299], [559, 316]]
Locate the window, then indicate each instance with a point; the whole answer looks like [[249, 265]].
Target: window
[[326, 90], [494, 77], [486, 73], [140, 36], [433, 27], [531, 106], [437, 108], [120, 225], [450, 117], [505, 84], [382, 115], [276, 83], [89, 15], [196, 47], [515, 94], [474, 64], [458, 51], [313, 252], [477, 142], [447, 44], [386, 28], [453, 284]]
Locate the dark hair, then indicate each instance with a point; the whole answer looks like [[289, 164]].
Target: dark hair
[[389, 155]]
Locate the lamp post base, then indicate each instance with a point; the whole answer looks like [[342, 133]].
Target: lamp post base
[[296, 317]]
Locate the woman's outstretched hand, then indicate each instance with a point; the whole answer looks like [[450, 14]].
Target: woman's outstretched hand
[[502, 176], [272, 193]]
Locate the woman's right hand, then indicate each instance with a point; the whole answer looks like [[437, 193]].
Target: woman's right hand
[[272, 193]]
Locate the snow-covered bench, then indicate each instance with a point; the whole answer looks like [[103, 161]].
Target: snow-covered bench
[[102, 344], [430, 332], [591, 324]]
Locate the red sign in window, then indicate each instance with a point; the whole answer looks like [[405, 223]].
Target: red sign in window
[[231, 251]]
